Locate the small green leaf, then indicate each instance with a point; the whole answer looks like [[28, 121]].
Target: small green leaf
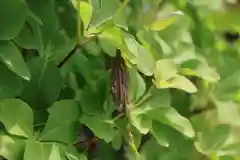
[[107, 10], [10, 148], [27, 38], [165, 69], [210, 141], [145, 61], [44, 151], [154, 99], [179, 82], [17, 117], [12, 57], [73, 154], [11, 84], [137, 85], [100, 127], [16, 13], [163, 22], [59, 128], [141, 122], [34, 148], [86, 13], [117, 140], [169, 116], [158, 132]]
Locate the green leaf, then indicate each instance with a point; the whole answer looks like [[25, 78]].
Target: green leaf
[[44, 151], [141, 122], [11, 84], [210, 141], [179, 82], [169, 116], [73, 154], [59, 128], [117, 140], [27, 38], [154, 99], [16, 13], [158, 132], [165, 70], [145, 61], [228, 112], [44, 74], [137, 85], [100, 127], [107, 10], [45, 10], [12, 57], [161, 23], [86, 13], [10, 148], [17, 117]]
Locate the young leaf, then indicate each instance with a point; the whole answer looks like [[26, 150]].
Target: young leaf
[[17, 117], [86, 13], [163, 22], [12, 57], [59, 128], [165, 69]]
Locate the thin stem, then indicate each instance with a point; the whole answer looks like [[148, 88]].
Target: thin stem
[[78, 23]]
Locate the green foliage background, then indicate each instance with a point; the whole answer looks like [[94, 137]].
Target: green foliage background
[[184, 79]]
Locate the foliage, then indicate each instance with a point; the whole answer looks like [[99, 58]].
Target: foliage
[[174, 95]]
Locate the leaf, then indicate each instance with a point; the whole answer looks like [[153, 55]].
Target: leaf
[[11, 85], [202, 70], [228, 112], [10, 148], [45, 10], [154, 99], [44, 74], [34, 148], [17, 117], [107, 10], [12, 57], [163, 22], [27, 38], [59, 128], [55, 153], [73, 154], [165, 70], [179, 82], [44, 151], [145, 61], [169, 116], [85, 13], [158, 132], [213, 140], [117, 140], [100, 127], [137, 85], [141, 122], [16, 13]]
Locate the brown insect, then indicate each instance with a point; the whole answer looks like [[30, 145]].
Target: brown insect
[[119, 81]]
